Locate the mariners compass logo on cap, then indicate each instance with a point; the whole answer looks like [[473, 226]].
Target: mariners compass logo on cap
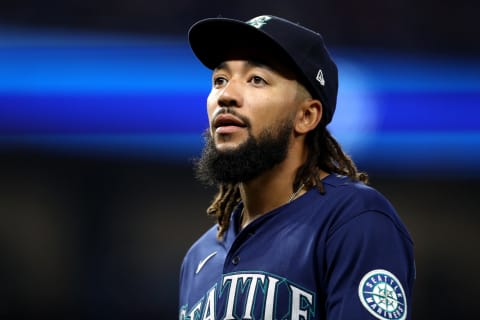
[[382, 294], [259, 21]]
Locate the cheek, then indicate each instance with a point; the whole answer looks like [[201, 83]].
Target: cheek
[[261, 120], [267, 112], [211, 106], [272, 120]]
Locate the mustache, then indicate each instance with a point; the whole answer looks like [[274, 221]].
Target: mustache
[[228, 110]]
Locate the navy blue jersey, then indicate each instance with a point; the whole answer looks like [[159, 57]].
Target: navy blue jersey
[[344, 255]]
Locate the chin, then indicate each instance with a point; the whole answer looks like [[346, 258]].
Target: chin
[[226, 146], [224, 143]]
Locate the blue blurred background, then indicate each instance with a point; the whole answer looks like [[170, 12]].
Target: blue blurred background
[[102, 108]]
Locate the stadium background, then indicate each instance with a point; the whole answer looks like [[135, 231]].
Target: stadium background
[[102, 111]]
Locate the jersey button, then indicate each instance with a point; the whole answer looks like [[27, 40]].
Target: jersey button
[[235, 260]]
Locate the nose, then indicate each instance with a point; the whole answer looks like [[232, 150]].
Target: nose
[[230, 96]]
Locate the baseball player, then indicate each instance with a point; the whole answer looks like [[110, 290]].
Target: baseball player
[[299, 234]]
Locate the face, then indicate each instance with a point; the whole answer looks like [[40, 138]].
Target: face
[[251, 110], [247, 98]]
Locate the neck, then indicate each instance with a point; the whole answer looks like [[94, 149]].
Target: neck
[[272, 189]]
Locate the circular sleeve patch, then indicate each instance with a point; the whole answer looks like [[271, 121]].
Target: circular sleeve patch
[[382, 294]]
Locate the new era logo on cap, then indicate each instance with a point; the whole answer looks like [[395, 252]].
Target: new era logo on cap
[[320, 77]]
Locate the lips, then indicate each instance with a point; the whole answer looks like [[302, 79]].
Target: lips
[[227, 120]]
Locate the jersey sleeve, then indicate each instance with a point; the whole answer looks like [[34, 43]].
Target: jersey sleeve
[[369, 269]]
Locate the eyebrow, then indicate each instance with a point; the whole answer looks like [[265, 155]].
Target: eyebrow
[[247, 64]]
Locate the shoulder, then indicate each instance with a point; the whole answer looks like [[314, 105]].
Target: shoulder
[[350, 200], [206, 242], [362, 196], [200, 248]]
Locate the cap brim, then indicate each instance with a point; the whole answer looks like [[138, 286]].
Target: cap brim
[[216, 40]]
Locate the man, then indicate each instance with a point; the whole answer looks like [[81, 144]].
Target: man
[[299, 234]]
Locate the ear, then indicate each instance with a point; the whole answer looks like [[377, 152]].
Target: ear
[[308, 116]]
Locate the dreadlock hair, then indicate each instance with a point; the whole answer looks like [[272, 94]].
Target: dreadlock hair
[[325, 153]]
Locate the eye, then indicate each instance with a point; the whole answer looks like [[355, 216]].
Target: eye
[[257, 80], [219, 81]]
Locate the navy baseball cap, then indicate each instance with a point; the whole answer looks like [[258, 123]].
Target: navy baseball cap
[[216, 40]]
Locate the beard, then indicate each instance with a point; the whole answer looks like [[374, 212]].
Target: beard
[[246, 162]]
